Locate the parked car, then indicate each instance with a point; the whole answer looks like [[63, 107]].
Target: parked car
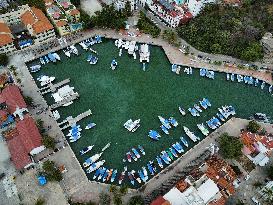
[[247, 177]]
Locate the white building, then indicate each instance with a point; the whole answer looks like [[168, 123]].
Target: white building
[[203, 192], [120, 4], [195, 6]]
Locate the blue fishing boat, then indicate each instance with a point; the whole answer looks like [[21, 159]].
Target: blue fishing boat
[[141, 149], [103, 170], [164, 129], [197, 108], [173, 152], [164, 122], [131, 178], [203, 72], [153, 165], [210, 74], [221, 117], [114, 64], [178, 147], [35, 68], [105, 175], [98, 171], [136, 153], [173, 121], [203, 104], [154, 135], [184, 141], [207, 102], [114, 175], [141, 175], [159, 162], [90, 125], [193, 112], [150, 168], [256, 82], [51, 58], [165, 157]]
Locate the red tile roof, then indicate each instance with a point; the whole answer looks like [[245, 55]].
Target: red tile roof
[[5, 39], [13, 98], [74, 12], [29, 133], [19, 155], [4, 28]]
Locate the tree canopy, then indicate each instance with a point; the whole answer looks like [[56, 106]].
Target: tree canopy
[[48, 142], [230, 147], [270, 172], [171, 37], [147, 26], [253, 126], [136, 200], [4, 59], [109, 17], [229, 30], [51, 172]]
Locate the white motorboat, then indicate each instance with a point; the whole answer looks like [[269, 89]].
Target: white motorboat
[[74, 50], [56, 56], [86, 149], [182, 111], [84, 46], [45, 80], [95, 166], [190, 134], [67, 53], [92, 159]]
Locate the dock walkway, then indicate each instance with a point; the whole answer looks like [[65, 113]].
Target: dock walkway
[[69, 121], [64, 101]]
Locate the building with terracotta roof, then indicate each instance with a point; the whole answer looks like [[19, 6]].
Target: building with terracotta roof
[[12, 97], [6, 39], [24, 142], [26, 26], [38, 25], [64, 15]]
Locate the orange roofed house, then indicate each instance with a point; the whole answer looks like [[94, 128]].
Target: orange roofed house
[[23, 27], [6, 39]]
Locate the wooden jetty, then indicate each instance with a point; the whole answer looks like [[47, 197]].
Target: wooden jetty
[[69, 121]]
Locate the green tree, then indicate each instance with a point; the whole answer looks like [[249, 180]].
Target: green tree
[[216, 48], [117, 199], [86, 20], [171, 37], [40, 201], [145, 25], [123, 190], [48, 142], [40, 125], [51, 172], [28, 100], [104, 199], [4, 59], [136, 200], [253, 52], [113, 189], [253, 126], [230, 147], [77, 3], [270, 172], [127, 9]]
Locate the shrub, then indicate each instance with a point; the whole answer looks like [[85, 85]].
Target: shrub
[[253, 126]]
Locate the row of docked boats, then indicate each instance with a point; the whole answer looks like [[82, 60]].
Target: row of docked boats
[[206, 73], [50, 57], [222, 115], [70, 50], [166, 125], [134, 154], [196, 110], [249, 80]]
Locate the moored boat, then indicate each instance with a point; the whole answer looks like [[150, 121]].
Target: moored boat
[[102, 173], [141, 149], [164, 129], [190, 134], [114, 175], [173, 121], [154, 135], [164, 122], [90, 125], [182, 110], [95, 166], [122, 175], [86, 149], [173, 152], [159, 161], [184, 141], [136, 153], [92, 159], [203, 129]]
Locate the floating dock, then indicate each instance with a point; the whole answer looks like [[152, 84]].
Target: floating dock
[[53, 87]]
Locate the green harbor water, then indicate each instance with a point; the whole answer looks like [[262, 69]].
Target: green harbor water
[[129, 92]]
